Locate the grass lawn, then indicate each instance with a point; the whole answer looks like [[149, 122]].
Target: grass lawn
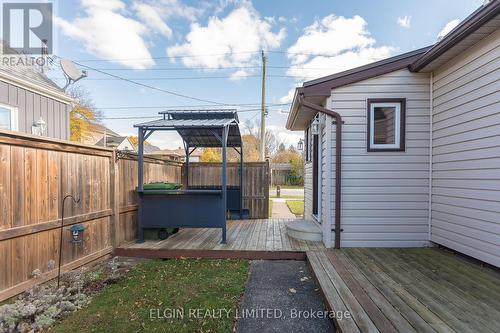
[[270, 208], [296, 206], [157, 286]]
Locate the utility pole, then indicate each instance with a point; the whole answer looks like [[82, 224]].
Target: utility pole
[[263, 111]]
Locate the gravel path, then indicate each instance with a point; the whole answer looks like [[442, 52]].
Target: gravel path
[[276, 293]]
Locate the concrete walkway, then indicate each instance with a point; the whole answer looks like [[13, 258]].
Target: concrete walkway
[[296, 192], [283, 297], [280, 210]]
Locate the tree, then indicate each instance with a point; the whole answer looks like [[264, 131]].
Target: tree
[[272, 142], [211, 155], [80, 119], [82, 115], [292, 156]]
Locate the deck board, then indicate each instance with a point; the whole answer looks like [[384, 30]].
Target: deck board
[[250, 238], [408, 290]]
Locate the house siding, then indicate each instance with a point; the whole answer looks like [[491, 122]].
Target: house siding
[[31, 106], [384, 194], [466, 152]]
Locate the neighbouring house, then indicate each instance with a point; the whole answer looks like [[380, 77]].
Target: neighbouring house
[[117, 142], [168, 154], [411, 144], [29, 101], [96, 134], [279, 173], [178, 154]]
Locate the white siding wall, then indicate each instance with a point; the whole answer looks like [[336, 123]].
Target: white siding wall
[[384, 194], [327, 187], [466, 152]]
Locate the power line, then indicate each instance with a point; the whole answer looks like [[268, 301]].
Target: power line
[[203, 68], [256, 111], [152, 87], [166, 57], [205, 55], [188, 78], [125, 107]]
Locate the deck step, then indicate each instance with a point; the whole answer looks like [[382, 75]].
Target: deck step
[[304, 230]]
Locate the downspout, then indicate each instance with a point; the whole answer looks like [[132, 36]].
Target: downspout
[[338, 160], [431, 112]]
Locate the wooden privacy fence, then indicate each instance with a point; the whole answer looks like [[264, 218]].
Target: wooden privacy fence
[[35, 174], [255, 182]]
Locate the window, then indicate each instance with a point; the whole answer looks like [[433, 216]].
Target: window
[[8, 117], [386, 125]]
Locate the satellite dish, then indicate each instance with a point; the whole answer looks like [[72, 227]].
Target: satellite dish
[[71, 72]]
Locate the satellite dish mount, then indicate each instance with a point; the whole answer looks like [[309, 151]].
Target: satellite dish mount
[[71, 72]]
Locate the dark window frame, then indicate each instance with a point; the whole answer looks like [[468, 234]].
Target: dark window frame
[[306, 144], [402, 123]]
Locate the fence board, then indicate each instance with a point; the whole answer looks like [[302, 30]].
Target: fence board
[[155, 170], [255, 182], [35, 174]]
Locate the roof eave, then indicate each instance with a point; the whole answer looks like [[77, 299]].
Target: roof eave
[[36, 88], [323, 86], [469, 25], [293, 109]]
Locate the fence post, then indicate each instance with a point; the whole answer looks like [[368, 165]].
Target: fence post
[[266, 188], [115, 200]]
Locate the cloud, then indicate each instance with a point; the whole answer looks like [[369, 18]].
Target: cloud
[[288, 98], [285, 136], [447, 28], [108, 33], [151, 17], [333, 44], [404, 21], [229, 41]]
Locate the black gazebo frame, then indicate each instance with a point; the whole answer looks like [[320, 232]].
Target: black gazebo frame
[[192, 208]]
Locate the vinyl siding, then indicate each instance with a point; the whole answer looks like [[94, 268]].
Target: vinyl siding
[[384, 194], [32, 106], [466, 152]]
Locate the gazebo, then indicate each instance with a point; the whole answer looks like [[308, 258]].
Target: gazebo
[[190, 207]]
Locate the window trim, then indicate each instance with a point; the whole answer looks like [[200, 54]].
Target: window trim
[[402, 125], [14, 116], [306, 144]]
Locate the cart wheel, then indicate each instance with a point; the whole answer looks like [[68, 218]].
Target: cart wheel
[[162, 234]]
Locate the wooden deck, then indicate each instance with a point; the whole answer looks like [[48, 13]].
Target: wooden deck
[[246, 239], [408, 290]]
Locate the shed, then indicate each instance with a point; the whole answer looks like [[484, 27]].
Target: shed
[[191, 207]]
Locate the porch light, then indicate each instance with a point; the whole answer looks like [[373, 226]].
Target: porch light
[[40, 127], [315, 126], [300, 145]]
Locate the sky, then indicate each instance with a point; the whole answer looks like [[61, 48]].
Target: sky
[[177, 54]]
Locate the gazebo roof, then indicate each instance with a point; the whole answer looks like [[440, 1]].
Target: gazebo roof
[[199, 128]]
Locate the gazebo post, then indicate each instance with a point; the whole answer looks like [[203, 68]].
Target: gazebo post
[[140, 182], [224, 180], [241, 181], [186, 150]]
